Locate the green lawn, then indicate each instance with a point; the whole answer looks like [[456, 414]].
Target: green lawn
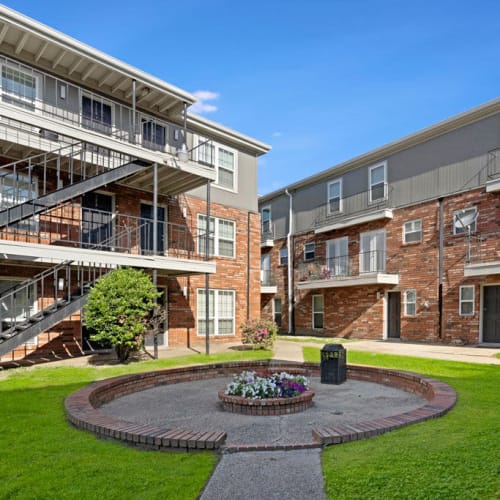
[[41, 456], [453, 457]]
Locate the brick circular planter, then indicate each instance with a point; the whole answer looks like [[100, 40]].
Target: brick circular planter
[[82, 407], [269, 406]]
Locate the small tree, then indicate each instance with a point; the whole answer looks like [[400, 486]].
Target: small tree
[[118, 309]]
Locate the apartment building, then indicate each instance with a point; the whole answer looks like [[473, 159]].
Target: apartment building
[[402, 242], [103, 165]]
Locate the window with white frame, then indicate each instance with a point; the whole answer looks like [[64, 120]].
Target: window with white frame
[[309, 249], [220, 312], [465, 219], [410, 302], [265, 215], [96, 113], [283, 256], [20, 87], [335, 196], [412, 231], [466, 307], [378, 182], [277, 311], [221, 236], [15, 189], [372, 252], [317, 311], [224, 160]]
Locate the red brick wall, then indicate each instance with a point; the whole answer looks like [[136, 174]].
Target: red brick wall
[[358, 311]]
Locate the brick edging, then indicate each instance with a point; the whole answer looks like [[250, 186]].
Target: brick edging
[[82, 407]]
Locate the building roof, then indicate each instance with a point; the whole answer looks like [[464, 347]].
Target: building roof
[[381, 153]]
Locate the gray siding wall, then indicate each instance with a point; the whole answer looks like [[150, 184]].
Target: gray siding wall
[[453, 162], [245, 198]]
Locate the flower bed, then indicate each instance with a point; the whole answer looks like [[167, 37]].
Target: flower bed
[[276, 394]]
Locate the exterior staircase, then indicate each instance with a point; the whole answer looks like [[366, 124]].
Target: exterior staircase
[[63, 290], [78, 168]]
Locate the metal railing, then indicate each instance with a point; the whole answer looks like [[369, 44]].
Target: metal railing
[[267, 278], [483, 248], [45, 293], [267, 231], [343, 266], [355, 204], [493, 165], [70, 224], [75, 105]]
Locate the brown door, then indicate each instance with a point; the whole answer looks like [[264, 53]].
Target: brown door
[[491, 314], [394, 315]]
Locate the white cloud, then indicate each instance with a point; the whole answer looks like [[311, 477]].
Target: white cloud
[[201, 106]]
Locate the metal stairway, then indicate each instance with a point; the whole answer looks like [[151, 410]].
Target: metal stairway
[[63, 291], [78, 168]]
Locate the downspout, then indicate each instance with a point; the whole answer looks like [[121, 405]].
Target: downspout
[[291, 298], [248, 266], [441, 272]]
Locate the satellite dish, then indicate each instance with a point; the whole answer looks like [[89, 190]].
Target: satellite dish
[[464, 220]]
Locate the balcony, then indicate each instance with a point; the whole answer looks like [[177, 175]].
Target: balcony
[[483, 254], [356, 209], [267, 283], [493, 170], [55, 110], [267, 235], [367, 268], [105, 238]]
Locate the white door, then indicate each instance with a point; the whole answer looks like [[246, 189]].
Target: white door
[[337, 259], [372, 252]]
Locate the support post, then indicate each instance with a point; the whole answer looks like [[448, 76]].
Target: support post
[[207, 276], [134, 99], [155, 245]]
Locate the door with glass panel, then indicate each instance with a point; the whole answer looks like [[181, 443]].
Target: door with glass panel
[[372, 252], [265, 270], [337, 259]]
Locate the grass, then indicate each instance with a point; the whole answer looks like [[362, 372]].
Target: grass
[[41, 456], [456, 456]]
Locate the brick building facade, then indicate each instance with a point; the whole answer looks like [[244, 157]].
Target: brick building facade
[[413, 255]]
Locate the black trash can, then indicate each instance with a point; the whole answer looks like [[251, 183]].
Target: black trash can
[[333, 364]]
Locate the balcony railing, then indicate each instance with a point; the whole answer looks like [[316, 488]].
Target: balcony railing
[[267, 231], [72, 225], [52, 97], [483, 248], [493, 165], [339, 209], [342, 267], [266, 278]]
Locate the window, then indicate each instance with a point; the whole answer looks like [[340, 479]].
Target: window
[[335, 196], [337, 260], [265, 270], [266, 220], [277, 311], [19, 87], [222, 158], [465, 219], [283, 256], [221, 236], [96, 114], [153, 135], [309, 251], [16, 189], [372, 252], [221, 312], [377, 175], [317, 311], [412, 231], [410, 302], [466, 307]]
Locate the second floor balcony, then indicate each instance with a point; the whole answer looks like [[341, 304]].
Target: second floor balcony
[[267, 282], [366, 268], [482, 254], [100, 236]]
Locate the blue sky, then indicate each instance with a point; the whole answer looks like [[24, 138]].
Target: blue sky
[[321, 81]]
